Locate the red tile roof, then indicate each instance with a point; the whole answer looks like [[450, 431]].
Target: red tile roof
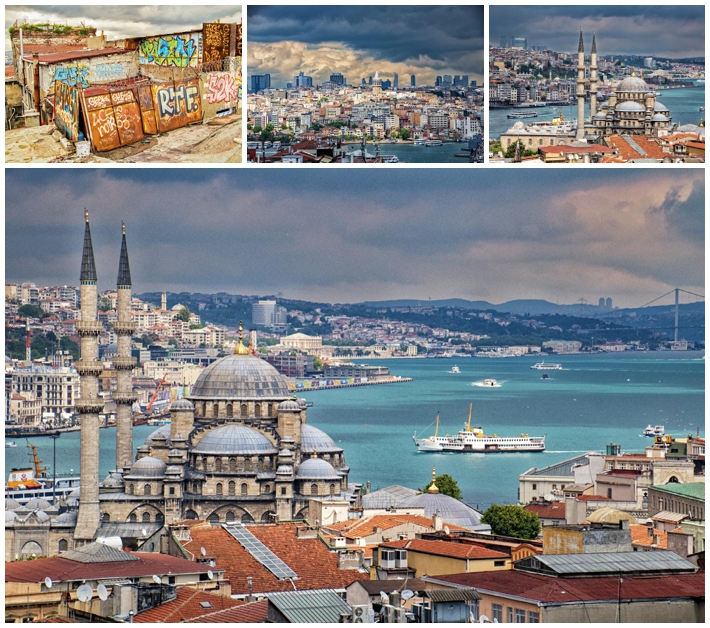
[[639, 536], [554, 510], [446, 548], [186, 606], [9, 71], [652, 149], [592, 498], [251, 613], [315, 566], [548, 589], [358, 528], [58, 568], [564, 148]]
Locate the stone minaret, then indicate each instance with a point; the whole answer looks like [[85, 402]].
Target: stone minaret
[[593, 78], [580, 88], [89, 404], [124, 363]]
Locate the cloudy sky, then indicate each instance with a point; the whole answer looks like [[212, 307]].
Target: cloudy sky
[[358, 40], [352, 235], [119, 21], [674, 31]]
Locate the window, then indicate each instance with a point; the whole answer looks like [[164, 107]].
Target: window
[[213, 518], [230, 410], [497, 612], [215, 410], [232, 488], [534, 488], [314, 489], [145, 518], [171, 490], [608, 493], [218, 465], [554, 487], [133, 518], [130, 489], [146, 489], [533, 618], [509, 614], [473, 605], [499, 563], [332, 489], [266, 488], [159, 518], [283, 490], [105, 517], [229, 517], [519, 616], [63, 545], [245, 489], [219, 488], [194, 487], [233, 465], [257, 409], [243, 410]]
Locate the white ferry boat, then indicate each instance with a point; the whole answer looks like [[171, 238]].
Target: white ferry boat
[[487, 383], [434, 143], [523, 114], [455, 369], [658, 430], [390, 159], [27, 483], [470, 440], [546, 366], [418, 142]]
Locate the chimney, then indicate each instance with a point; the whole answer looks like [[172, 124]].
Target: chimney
[[656, 538], [437, 522]]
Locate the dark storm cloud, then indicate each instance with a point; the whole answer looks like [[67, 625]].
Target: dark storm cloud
[[356, 235], [395, 33], [664, 31]]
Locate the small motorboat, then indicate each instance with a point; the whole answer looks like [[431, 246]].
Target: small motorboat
[[11, 443]]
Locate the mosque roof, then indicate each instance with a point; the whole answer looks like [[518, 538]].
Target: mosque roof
[[659, 106], [162, 431], [148, 467], [234, 439], [632, 84], [316, 469], [243, 377], [290, 405], [11, 504], [610, 515], [182, 404], [451, 510], [630, 106], [659, 117], [312, 437]]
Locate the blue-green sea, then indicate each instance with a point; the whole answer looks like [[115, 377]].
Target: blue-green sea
[[593, 401]]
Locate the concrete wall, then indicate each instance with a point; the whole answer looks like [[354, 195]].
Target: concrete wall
[[87, 72], [655, 612]]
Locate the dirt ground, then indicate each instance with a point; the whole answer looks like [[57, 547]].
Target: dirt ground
[[218, 141]]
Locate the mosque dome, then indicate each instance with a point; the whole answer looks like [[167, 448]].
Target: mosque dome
[[519, 125], [610, 515], [659, 117], [316, 469], [148, 467], [630, 106], [302, 403], [10, 516], [632, 84], [67, 518], [234, 439], [659, 106], [76, 493], [182, 404], [37, 504], [11, 504], [73, 502], [312, 437], [242, 377], [450, 509], [290, 405], [162, 433], [112, 481]]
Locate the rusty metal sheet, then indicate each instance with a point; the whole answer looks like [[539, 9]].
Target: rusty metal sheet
[[215, 41], [177, 104], [128, 116], [145, 101], [66, 110], [100, 122], [237, 41]]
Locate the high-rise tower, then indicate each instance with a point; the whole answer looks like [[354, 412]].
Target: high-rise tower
[[593, 78], [124, 363], [580, 88], [89, 404]]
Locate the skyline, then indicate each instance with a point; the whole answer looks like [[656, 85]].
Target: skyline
[[661, 31], [631, 235], [120, 21], [358, 41]]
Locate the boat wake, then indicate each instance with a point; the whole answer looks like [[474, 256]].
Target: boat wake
[[487, 384]]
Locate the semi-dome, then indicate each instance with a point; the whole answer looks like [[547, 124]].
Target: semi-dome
[[112, 482], [630, 106], [316, 469], [11, 504], [66, 518], [182, 404], [234, 439], [10, 516], [242, 377], [632, 84], [290, 405], [72, 502], [659, 117], [312, 437], [162, 433], [37, 504], [302, 403], [450, 509], [148, 467], [659, 106]]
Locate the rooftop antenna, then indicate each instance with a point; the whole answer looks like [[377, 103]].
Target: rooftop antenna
[[203, 551], [446, 530], [103, 592], [157, 579], [84, 593], [210, 575], [48, 582]]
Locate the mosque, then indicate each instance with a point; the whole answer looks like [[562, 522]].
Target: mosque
[[238, 450]]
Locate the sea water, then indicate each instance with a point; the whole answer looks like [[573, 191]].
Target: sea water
[[595, 400]]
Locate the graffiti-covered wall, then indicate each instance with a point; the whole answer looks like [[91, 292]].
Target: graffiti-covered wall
[[220, 91], [84, 73], [66, 110], [177, 51]]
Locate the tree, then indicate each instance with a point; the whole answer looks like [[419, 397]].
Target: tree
[[404, 134], [257, 129], [31, 311], [104, 305], [183, 315], [317, 363], [446, 485], [512, 521]]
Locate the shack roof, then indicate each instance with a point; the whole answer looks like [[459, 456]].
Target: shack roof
[[59, 57]]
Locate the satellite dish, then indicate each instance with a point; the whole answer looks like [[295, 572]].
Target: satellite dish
[[384, 598], [157, 580], [84, 593], [484, 620], [446, 529], [103, 592], [203, 551], [407, 594], [210, 575], [48, 582]]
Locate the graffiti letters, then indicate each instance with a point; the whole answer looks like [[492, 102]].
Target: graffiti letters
[[106, 72], [98, 102], [176, 101], [66, 115], [75, 75], [103, 122], [174, 50], [221, 88], [119, 98]]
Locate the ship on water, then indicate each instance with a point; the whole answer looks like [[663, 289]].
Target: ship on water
[[473, 440], [546, 366]]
